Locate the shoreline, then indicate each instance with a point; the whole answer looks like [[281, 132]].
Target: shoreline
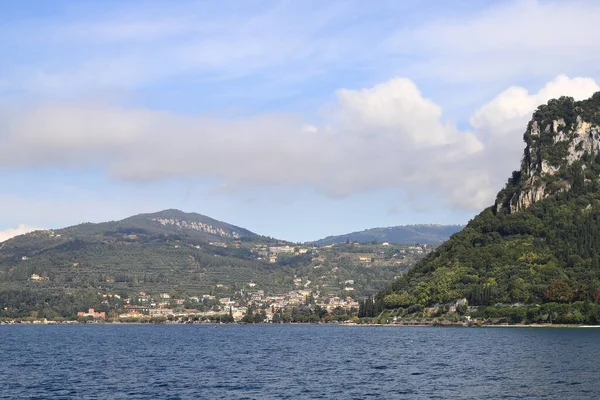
[[477, 326], [421, 325]]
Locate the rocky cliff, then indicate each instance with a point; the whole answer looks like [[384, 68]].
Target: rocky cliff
[[197, 226], [562, 149], [538, 246]]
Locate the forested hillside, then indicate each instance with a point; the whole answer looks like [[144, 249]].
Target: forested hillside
[[186, 256], [405, 234], [538, 248]]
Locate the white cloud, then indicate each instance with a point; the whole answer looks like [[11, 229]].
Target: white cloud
[[385, 136], [379, 137], [21, 229], [512, 108], [394, 107]]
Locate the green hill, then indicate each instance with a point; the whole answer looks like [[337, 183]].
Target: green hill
[[405, 234], [535, 254], [186, 255], [158, 251]]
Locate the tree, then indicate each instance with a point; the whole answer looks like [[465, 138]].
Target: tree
[[559, 291], [402, 299]]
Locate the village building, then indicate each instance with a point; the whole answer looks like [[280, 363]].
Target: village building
[[92, 313]]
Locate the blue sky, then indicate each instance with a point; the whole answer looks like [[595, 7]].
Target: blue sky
[[296, 120]]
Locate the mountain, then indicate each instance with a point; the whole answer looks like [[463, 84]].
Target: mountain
[[539, 244], [194, 224], [184, 255], [167, 222], [405, 234], [161, 227], [163, 249]]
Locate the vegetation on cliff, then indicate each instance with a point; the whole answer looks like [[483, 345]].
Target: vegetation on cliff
[[539, 245]]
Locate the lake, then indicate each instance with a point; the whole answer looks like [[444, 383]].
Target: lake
[[297, 362]]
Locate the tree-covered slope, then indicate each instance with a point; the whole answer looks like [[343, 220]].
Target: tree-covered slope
[[163, 226], [161, 250], [55, 273], [406, 234], [540, 242]]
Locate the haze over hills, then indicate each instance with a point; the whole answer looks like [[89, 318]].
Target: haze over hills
[[539, 244], [404, 234]]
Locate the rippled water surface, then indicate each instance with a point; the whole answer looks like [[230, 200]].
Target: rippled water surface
[[297, 362]]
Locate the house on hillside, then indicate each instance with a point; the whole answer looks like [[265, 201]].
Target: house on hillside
[[131, 314], [155, 312], [38, 278], [92, 313]]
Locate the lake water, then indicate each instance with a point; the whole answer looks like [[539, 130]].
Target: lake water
[[297, 362]]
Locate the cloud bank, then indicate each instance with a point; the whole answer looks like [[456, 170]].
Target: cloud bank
[[385, 136]]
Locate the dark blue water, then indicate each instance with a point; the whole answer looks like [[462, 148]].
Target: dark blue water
[[297, 362]]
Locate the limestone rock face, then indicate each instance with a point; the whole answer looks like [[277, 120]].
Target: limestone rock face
[[197, 226], [562, 142], [535, 193], [586, 138]]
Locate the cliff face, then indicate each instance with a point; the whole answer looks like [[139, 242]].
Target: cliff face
[[562, 150], [519, 252], [197, 226]]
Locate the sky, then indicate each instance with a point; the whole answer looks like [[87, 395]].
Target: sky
[[294, 119]]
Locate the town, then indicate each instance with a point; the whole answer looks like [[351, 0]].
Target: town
[[247, 306], [304, 283]]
